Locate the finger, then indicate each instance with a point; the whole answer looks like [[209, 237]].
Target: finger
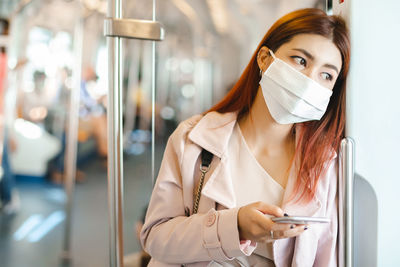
[[285, 226], [291, 232], [269, 209], [294, 232]]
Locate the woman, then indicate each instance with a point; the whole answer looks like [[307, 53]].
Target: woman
[[274, 140]]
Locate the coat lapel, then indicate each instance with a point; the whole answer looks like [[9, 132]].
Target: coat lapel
[[212, 133], [219, 186]]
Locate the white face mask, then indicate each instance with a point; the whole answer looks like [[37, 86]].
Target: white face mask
[[291, 96]]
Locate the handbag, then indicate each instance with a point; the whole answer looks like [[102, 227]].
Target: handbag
[[206, 158]]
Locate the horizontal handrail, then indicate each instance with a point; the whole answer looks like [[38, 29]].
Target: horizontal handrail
[[134, 29]]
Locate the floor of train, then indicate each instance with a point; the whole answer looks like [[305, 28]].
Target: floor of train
[[34, 236]]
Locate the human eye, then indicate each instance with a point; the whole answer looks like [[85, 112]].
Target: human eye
[[299, 60], [326, 76]]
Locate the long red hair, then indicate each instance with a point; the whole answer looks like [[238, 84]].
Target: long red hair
[[317, 139]]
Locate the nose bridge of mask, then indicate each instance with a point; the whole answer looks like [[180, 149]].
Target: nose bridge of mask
[[299, 84]]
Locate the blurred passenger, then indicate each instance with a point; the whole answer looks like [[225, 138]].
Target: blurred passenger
[[57, 164], [268, 149], [9, 197], [57, 125], [9, 200], [88, 104], [92, 113], [58, 119], [92, 123], [4, 25], [34, 104]]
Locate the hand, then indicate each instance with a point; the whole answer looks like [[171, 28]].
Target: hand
[[255, 226]]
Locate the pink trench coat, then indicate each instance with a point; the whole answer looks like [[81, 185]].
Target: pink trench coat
[[211, 235]]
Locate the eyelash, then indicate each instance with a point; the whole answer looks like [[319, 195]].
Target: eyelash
[[301, 59], [329, 76], [296, 58]]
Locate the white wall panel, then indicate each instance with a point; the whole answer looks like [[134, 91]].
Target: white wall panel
[[374, 112]]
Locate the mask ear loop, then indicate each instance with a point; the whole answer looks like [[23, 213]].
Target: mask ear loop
[[273, 56], [272, 53]]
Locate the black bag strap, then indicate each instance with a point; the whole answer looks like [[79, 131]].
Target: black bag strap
[[206, 158]]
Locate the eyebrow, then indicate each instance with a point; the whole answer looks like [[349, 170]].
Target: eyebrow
[[305, 52]]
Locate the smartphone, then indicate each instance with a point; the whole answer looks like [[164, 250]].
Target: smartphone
[[300, 220]]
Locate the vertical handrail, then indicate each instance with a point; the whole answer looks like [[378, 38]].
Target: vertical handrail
[[114, 126], [72, 138], [153, 101], [346, 181], [116, 28]]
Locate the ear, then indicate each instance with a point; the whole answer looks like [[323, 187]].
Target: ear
[[263, 58]]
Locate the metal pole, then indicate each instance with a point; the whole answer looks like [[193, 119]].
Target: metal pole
[[72, 139], [114, 125], [346, 181], [153, 101], [116, 28]]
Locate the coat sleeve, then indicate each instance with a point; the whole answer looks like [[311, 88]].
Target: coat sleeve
[[327, 250], [171, 237]]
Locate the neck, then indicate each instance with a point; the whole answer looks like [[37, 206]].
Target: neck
[[262, 132]]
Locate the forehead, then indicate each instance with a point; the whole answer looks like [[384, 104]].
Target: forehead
[[322, 49]]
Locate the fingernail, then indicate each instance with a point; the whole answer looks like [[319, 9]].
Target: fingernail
[[292, 226], [305, 228], [286, 215]]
